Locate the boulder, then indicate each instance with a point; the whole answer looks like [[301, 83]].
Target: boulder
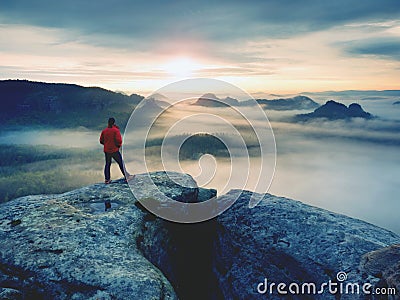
[[383, 268], [177, 186], [68, 247], [10, 294], [286, 241]]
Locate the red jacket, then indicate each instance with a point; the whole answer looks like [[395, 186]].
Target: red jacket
[[111, 139]]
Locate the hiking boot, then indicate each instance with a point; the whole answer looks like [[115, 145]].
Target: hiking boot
[[129, 178]]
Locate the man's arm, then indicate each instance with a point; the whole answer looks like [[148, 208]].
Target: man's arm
[[118, 139], [102, 138]]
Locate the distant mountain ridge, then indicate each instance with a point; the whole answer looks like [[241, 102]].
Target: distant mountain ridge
[[294, 103], [62, 105], [332, 110], [298, 102], [211, 100], [156, 101]]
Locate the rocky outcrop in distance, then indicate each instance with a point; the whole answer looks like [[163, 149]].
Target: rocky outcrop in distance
[[67, 246], [295, 103], [333, 110], [211, 100], [299, 102]]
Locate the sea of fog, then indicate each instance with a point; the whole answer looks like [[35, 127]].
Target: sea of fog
[[349, 168], [65, 138]]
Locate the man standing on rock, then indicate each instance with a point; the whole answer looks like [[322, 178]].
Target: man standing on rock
[[111, 139]]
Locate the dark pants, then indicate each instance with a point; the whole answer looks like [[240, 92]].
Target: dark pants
[[118, 158]]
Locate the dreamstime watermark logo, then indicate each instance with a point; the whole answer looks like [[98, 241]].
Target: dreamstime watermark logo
[[184, 127], [339, 286]]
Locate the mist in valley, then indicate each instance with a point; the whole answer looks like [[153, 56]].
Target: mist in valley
[[65, 138], [349, 167]]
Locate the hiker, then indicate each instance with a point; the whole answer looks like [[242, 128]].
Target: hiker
[[111, 139]]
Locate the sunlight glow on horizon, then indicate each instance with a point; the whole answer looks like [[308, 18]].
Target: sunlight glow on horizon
[[181, 67]]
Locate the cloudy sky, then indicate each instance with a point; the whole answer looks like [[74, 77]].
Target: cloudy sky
[[271, 46]]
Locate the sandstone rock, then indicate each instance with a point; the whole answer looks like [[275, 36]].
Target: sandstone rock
[[391, 277], [10, 294], [287, 241], [376, 262], [180, 187], [382, 267], [206, 194], [67, 247]]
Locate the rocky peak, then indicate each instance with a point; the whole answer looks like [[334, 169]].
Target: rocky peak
[[333, 110], [210, 100]]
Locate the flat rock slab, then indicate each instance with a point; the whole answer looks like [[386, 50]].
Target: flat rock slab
[[288, 241], [67, 247], [158, 185], [383, 267]]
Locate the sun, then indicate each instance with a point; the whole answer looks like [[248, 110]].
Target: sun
[[181, 67]]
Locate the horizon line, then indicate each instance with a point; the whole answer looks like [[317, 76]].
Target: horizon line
[[140, 93]]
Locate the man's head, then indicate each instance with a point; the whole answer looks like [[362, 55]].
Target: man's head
[[111, 122]]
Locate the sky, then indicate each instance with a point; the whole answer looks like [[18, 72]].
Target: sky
[[266, 46]]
